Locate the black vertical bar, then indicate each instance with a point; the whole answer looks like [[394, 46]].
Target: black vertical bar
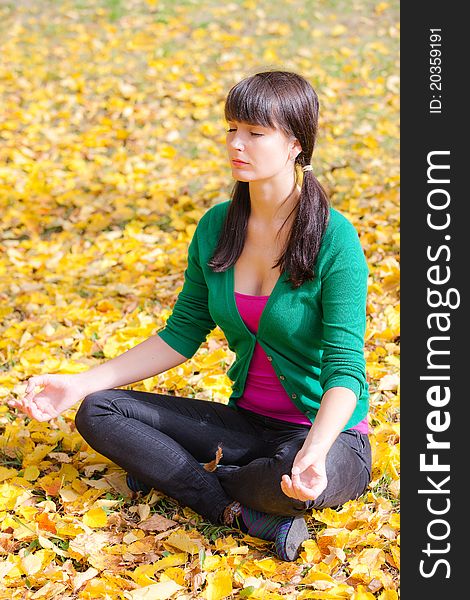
[[434, 324]]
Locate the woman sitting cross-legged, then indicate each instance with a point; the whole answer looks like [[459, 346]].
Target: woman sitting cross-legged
[[283, 274]]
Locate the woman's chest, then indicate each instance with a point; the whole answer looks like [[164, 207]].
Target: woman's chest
[[254, 271]]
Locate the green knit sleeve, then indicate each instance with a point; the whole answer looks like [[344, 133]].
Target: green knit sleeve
[[344, 296], [190, 322]]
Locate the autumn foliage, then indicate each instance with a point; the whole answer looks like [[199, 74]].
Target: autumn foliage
[[111, 149]]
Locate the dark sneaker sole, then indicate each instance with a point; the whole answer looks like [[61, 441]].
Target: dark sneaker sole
[[297, 534]]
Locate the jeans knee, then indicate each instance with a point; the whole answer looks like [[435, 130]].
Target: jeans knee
[[90, 410]]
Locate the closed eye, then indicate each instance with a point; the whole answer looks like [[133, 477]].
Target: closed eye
[[251, 132]]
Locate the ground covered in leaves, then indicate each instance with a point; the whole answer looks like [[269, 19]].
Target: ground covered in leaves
[[112, 147]]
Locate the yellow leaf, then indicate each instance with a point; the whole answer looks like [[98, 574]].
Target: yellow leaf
[[335, 537], [182, 541], [31, 473], [266, 565], [380, 7], [388, 595], [362, 594], [175, 574], [365, 565], [142, 575], [313, 576], [219, 585], [213, 562], [167, 151], [173, 560], [36, 456], [157, 591], [395, 550], [338, 30], [68, 473], [312, 553], [95, 517], [7, 473]]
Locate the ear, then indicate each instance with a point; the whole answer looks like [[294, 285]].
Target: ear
[[296, 148]]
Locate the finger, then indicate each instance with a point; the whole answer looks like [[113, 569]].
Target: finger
[[38, 413], [285, 489], [293, 492], [311, 492], [301, 491], [298, 494], [18, 404], [25, 410], [31, 393], [35, 381], [286, 485], [31, 384], [285, 479]]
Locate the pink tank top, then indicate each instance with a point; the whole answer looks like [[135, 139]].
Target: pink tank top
[[263, 392]]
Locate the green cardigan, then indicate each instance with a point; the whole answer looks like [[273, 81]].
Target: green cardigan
[[313, 335]]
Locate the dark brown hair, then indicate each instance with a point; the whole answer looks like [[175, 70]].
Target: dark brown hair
[[285, 100]]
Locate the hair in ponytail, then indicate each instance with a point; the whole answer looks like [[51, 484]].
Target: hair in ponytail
[[288, 101]]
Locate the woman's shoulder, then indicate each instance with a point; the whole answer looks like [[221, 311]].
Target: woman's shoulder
[[340, 231], [214, 216], [338, 222]]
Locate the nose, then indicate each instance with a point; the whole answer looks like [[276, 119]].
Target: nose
[[236, 142]]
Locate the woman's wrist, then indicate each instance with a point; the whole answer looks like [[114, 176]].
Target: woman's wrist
[[87, 383], [317, 446]]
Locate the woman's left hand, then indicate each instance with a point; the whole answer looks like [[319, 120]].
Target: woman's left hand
[[308, 477]]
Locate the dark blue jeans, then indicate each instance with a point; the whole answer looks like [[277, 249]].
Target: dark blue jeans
[[161, 440]]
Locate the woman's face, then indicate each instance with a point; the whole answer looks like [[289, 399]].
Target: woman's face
[[265, 151]]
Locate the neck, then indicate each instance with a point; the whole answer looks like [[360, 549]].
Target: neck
[[273, 199]]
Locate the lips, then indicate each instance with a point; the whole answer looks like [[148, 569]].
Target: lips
[[239, 162]]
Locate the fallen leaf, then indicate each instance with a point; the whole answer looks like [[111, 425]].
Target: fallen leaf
[[95, 517], [219, 585], [212, 465], [82, 578], [156, 523], [157, 591]]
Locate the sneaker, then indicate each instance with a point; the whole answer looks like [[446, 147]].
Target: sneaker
[[289, 538], [287, 533]]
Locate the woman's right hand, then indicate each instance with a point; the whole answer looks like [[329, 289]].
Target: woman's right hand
[[59, 393]]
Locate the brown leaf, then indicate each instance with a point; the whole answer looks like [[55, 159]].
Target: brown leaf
[[212, 465], [156, 523], [8, 545]]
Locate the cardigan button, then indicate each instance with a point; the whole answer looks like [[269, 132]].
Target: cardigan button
[[281, 377], [270, 358], [294, 396]]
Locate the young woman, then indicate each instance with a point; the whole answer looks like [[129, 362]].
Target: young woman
[[284, 276]]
